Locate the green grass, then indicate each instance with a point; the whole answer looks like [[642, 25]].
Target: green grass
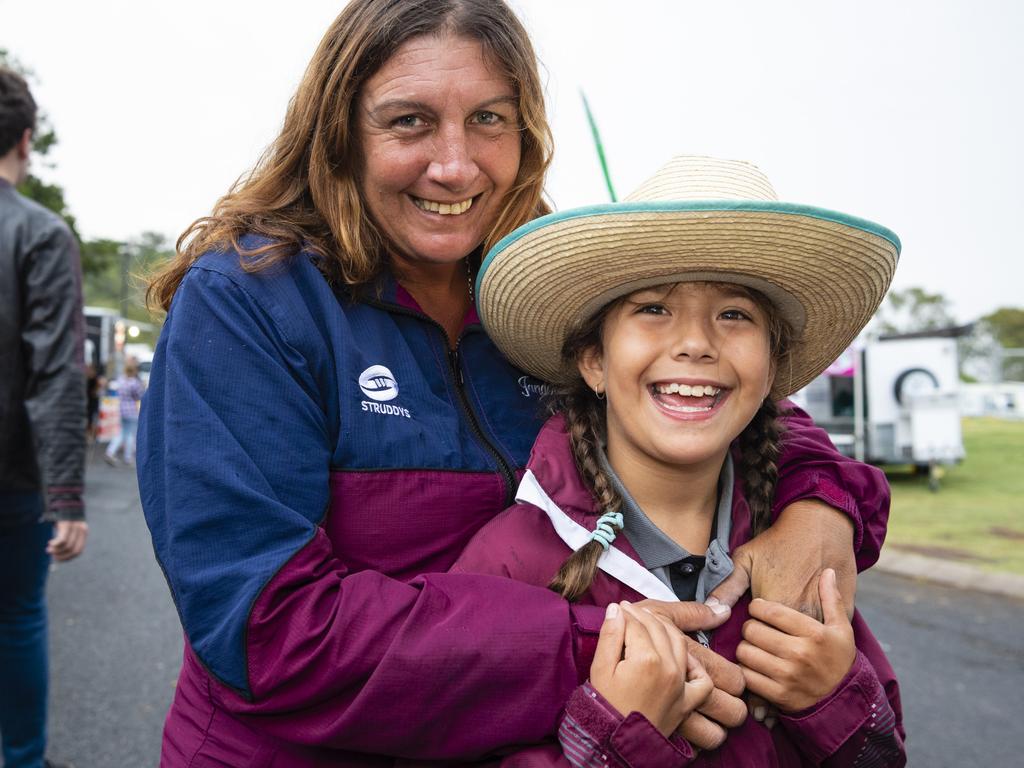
[[977, 499]]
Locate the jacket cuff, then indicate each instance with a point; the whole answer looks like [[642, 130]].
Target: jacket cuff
[[586, 628], [816, 486], [592, 732], [823, 728], [64, 502]]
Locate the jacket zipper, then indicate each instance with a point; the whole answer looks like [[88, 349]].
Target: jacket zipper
[[455, 366], [455, 361]]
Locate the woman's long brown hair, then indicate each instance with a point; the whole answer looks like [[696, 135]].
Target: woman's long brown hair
[[304, 190], [758, 445]]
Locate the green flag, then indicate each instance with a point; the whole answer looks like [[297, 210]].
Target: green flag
[[600, 149]]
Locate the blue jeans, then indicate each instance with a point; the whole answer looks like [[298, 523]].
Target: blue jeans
[[23, 653], [126, 438]]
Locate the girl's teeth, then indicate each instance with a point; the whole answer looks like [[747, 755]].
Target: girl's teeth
[[686, 390]]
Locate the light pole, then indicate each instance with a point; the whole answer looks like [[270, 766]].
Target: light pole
[[125, 252]]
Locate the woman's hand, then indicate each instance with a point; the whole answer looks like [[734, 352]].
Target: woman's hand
[[792, 660], [641, 665], [783, 563]]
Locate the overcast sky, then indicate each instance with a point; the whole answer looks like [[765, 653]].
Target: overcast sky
[[906, 113]]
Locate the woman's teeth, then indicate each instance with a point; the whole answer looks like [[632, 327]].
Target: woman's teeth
[[686, 390], [445, 209]]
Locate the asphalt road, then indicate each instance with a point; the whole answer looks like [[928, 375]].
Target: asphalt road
[[115, 639], [116, 648], [959, 659]]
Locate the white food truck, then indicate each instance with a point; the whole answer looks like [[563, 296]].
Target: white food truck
[[893, 400]]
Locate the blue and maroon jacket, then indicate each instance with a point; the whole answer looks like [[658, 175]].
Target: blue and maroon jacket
[[310, 466]]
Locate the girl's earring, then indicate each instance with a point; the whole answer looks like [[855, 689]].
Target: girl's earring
[[598, 394]]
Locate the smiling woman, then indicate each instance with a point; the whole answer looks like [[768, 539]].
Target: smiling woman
[[328, 425], [459, 102], [439, 127]]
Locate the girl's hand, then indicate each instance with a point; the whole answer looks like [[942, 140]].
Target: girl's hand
[[641, 665], [723, 709], [793, 660]]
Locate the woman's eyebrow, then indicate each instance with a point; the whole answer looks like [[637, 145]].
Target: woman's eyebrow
[[408, 105], [399, 105], [511, 100]]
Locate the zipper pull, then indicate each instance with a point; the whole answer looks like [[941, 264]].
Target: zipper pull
[[453, 357]]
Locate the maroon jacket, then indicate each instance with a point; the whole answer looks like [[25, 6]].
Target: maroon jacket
[[858, 724]]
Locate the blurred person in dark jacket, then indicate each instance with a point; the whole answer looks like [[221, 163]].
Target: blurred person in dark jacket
[[94, 386], [42, 427]]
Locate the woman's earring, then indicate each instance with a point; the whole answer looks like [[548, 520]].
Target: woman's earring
[[598, 394]]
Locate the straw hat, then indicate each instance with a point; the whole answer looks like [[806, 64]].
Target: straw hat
[[698, 218]]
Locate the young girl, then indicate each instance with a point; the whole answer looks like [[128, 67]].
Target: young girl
[[672, 325]]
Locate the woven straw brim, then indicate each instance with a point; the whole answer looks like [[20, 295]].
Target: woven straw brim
[[827, 273]]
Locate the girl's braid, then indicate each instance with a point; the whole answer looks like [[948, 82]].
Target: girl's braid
[[584, 420], [759, 447]]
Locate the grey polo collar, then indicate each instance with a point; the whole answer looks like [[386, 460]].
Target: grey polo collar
[[658, 551]]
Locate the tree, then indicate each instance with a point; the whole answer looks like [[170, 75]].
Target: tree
[[913, 309], [101, 260], [116, 273], [1005, 328], [148, 252], [1007, 325], [113, 272]]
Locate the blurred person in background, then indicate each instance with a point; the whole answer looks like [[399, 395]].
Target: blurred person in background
[[129, 396], [94, 386], [42, 427]]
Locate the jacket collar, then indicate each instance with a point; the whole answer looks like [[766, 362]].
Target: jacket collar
[[553, 484], [552, 463], [388, 293]]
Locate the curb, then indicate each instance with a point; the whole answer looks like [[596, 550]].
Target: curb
[[950, 574]]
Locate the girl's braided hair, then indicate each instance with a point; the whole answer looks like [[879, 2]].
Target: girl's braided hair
[[759, 445]]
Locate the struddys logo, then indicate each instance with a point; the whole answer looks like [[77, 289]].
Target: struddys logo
[[378, 384]]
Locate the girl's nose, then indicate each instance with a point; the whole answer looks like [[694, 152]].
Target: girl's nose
[[452, 165], [694, 340]]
